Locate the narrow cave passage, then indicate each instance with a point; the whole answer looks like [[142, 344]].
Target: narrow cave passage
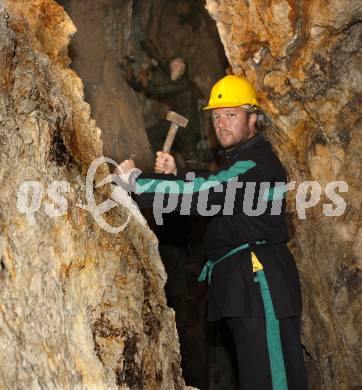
[[81, 307]]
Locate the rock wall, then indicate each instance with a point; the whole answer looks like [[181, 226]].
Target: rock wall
[[305, 60], [97, 48], [79, 307]]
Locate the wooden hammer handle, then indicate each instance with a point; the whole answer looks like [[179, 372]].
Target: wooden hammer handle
[[170, 138]]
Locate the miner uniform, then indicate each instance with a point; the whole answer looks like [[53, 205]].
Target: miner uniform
[[252, 276]]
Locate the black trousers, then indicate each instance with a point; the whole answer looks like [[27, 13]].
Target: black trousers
[[253, 358]]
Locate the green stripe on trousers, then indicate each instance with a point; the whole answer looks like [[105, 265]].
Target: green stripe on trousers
[[276, 359]]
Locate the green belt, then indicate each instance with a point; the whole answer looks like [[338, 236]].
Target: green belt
[[209, 266]]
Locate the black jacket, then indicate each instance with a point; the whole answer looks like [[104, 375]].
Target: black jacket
[[232, 289]]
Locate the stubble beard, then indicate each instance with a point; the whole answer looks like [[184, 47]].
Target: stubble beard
[[245, 136]]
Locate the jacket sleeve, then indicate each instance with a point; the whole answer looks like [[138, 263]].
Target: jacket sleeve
[[215, 194], [160, 91], [153, 52]]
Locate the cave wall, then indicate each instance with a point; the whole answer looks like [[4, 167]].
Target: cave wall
[[305, 60], [96, 50], [79, 307], [82, 307]]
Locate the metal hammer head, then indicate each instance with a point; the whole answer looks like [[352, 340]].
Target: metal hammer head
[[179, 120]]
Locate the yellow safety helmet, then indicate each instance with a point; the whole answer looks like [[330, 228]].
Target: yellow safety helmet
[[232, 91]]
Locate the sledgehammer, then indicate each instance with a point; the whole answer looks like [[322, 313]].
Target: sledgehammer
[[176, 121]]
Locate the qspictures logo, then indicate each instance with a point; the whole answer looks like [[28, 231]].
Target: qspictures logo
[[171, 195]]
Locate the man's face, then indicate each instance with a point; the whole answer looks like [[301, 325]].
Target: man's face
[[232, 125], [177, 68]]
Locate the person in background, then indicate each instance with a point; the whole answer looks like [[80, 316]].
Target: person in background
[[175, 89]]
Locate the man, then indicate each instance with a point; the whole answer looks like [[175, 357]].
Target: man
[[175, 89], [253, 279]]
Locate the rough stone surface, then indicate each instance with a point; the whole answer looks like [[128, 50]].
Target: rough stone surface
[[79, 307], [305, 60], [97, 50]]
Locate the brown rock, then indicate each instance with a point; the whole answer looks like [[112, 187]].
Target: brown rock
[[302, 57], [79, 307], [97, 48]]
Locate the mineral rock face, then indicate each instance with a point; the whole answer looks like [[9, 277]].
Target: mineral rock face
[[97, 49], [305, 60], [80, 307]]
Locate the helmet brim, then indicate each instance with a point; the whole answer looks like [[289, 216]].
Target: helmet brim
[[225, 105]]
